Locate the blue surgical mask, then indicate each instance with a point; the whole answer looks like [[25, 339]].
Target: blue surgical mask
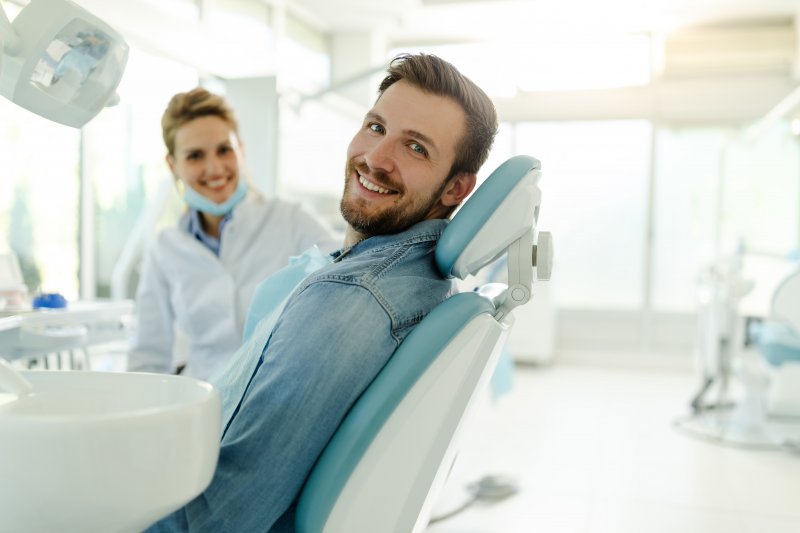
[[197, 201]]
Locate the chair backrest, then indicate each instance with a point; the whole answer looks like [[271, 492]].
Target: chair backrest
[[384, 466]]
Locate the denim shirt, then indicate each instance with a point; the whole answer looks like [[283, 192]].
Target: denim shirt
[[337, 331]]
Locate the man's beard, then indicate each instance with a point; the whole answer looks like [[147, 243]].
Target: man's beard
[[393, 219]]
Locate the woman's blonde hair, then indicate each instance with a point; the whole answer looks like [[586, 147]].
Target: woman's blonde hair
[[185, 107]]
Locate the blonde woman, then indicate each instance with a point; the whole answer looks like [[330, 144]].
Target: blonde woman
[[199, 277]]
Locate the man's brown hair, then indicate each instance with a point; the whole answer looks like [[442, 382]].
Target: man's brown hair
[[436, 76]]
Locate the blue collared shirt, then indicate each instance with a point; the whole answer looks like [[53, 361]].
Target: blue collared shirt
[[337, 331], [196, 229]]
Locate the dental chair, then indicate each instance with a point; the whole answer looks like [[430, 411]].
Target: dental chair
[[779, 344], [386, 464]]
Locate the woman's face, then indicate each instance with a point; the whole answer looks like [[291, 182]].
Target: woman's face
[[207, 157]]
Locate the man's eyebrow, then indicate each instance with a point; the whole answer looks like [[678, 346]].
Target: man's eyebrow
[[422, 137], [411, 133], [372, 115]]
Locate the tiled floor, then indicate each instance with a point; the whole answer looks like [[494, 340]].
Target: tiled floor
[[595, 451]]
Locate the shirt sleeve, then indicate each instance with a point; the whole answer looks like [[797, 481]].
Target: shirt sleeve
[[318, 361], [151, 346]]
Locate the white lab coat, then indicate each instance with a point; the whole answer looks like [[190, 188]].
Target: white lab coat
[[184, 285]]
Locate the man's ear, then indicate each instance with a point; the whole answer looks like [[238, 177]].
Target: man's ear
[[458, 188]]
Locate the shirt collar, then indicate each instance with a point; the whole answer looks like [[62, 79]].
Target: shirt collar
[[196, 230], [427, 230]]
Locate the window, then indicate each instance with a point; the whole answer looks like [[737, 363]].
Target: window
[[594, 198], [124, 157], [760, 192], [502, 149], [305, 65], [313, 144], [314, 135], [39, 198], [686, 173]]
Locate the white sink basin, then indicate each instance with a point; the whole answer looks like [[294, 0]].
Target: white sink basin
[[97, 451]]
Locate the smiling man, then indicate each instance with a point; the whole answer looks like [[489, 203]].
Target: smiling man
[[397, 175], [412, 162]]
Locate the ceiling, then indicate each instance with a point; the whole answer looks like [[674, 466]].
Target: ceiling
[[415, 21], [152, 23], [736, 33], [748, 36]]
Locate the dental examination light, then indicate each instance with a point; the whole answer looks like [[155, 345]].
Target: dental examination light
[[60, 61]]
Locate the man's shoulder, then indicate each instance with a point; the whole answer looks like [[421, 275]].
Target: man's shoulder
[[405, 253], [415, 259], [403, 280]]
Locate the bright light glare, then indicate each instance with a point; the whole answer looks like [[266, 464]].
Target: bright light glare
[[243, 45], [592, 62], [12, 10], [550, 64], [795, 127]]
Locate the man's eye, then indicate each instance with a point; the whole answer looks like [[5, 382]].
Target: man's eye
[[193, 156], [419, 148], [377, 128], [224, 150]]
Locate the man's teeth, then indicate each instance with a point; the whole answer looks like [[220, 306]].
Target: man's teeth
[[216, 183], [371, 186]]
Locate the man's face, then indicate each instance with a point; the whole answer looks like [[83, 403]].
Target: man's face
[[399, 160]]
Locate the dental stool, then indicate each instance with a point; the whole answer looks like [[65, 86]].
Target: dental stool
[[386, 464], [779, 344]]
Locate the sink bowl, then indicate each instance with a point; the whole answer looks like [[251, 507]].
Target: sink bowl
[[103, 451]]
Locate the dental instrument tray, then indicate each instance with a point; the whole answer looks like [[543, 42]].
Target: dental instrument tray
[[38, 332]]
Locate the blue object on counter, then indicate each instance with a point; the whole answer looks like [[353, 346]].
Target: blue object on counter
[[51, 300]]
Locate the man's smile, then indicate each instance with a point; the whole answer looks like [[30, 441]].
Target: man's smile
[[372, 186]]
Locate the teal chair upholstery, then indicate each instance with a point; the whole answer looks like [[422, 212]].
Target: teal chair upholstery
[[384, 467], [779, 337]]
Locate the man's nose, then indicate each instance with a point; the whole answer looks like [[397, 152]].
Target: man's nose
[[381, 155]]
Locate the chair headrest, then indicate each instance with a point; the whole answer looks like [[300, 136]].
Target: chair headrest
[[499, 212]]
